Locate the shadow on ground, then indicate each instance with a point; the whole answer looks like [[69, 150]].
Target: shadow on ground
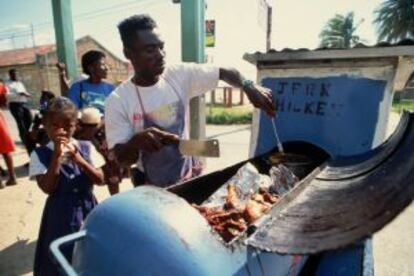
[[21, 171], [17, 259]]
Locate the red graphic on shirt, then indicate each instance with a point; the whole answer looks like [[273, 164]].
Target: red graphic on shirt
[[137, 117]]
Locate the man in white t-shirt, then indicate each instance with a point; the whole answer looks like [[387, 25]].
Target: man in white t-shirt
[[147, 114], [17, 97]]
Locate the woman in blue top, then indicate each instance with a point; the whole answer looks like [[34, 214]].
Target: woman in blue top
[[92, 91]]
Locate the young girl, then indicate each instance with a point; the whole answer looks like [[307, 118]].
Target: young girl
[[62, 170]]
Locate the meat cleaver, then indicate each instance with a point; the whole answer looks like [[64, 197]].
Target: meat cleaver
[[207, 148]]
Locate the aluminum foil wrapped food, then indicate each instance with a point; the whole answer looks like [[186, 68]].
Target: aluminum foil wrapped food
[[248, 180], [244, 198], [283, 180]]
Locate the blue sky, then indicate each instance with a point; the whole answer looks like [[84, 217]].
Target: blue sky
[[296, 24]]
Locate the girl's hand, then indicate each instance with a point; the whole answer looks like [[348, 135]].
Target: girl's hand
[[60, 143], [74, 153]]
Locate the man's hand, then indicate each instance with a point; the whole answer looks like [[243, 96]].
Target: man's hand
[[153, 139], [150, 140], [261, 97]]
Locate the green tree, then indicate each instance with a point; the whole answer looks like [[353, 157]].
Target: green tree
[[395, 20], [339, 32]]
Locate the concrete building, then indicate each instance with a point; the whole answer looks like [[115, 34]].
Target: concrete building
[[37, 65]]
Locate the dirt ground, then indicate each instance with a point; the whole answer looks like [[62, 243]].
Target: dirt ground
[[22, 205]]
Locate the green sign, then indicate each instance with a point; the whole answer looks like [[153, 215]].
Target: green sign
[[210, 33]]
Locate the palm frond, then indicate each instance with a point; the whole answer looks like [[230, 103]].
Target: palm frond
[[339, 32], [395, 20]]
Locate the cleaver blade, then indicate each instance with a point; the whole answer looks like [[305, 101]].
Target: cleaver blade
[[206, 148]]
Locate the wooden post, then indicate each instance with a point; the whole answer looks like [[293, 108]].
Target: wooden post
[[192, 46], [241, 96], [230, 98], [213, 97]]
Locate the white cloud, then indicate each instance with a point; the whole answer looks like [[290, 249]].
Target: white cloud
[[46, 37]]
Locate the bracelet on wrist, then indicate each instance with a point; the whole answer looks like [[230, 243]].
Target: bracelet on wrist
[[247, 84]]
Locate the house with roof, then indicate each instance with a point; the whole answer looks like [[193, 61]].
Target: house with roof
[[37, 68]]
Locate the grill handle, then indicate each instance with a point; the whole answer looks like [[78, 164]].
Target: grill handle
[[59, 257]]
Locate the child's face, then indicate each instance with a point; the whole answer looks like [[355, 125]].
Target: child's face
[[86, 131], [60, 124], [44, 101]]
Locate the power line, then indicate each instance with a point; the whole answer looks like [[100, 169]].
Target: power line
[[121, 9], [89, 15], [15, 36], [15, 32], [81, 17], [110, 7]]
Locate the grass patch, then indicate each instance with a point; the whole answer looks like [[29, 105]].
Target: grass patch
[[398, 106], [220, 115]]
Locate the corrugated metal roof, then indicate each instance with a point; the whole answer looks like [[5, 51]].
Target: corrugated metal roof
[[24, 55], [360, 50], [28, 55]]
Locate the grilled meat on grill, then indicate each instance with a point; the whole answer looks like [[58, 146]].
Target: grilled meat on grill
[[233, 218]]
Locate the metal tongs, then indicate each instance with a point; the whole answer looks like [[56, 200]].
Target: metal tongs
[[279, 144]]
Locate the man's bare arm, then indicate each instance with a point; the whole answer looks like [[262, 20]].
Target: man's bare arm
[[259, 96]]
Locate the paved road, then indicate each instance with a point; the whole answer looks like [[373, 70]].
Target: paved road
[[22, 204]]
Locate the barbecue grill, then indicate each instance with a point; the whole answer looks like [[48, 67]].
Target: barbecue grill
[[351, 185], [152, 231]]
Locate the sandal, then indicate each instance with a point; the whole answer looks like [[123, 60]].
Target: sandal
[[11, 182]]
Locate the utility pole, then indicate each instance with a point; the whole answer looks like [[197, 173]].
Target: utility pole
[[13, 43], [192, 49], [65, 42], [269, 28], [32, 33]]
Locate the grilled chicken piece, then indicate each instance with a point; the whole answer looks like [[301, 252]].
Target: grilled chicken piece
[[232, 219], [208, 211], [276, 158], [224, 216], [268, 197], [258, 198], [230, 229], [254, 210], [232, 200]]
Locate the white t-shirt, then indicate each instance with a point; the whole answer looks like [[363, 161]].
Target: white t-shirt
[[14, 90], [123, 114]]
